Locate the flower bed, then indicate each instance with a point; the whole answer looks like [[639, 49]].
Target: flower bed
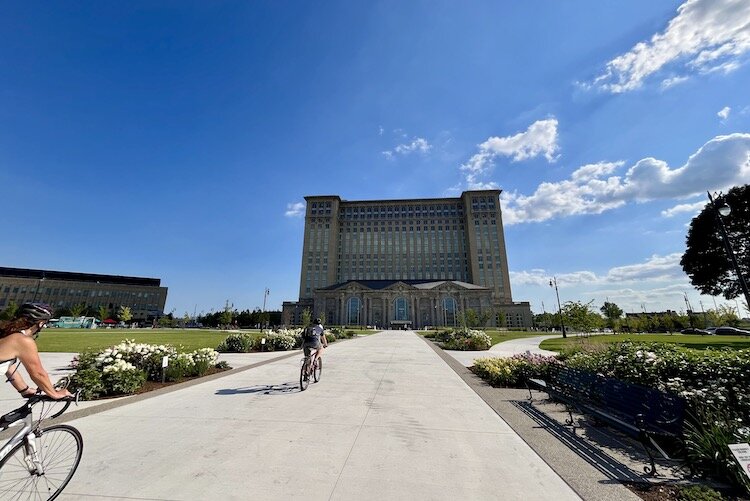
[[464, 339], [715, 384], [278, 340], [512, 372], [124, 369]]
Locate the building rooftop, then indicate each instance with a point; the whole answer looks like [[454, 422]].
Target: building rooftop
[[77, 277]]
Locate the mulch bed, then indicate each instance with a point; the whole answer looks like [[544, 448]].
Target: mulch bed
[[156, 385], [670, 492]]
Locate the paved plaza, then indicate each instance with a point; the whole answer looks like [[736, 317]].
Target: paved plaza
[[389, 420]]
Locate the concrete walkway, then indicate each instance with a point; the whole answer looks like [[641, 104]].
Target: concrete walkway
[[389, 420], [504, 349]]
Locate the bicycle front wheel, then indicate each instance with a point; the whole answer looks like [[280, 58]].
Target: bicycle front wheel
[[58, 452], [318, 370]]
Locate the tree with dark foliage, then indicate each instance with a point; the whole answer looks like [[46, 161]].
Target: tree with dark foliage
[[705, 260]]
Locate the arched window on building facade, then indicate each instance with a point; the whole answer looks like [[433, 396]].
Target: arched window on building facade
[[401, 307], [353, 308], [449, 311]]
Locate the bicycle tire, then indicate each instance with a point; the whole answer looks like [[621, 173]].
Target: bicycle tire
[[318, 370], [59, 465], [304, 379]]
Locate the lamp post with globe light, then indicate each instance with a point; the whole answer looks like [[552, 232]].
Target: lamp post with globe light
[[724, 210]]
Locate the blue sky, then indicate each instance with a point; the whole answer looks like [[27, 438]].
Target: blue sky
[[176, 139]]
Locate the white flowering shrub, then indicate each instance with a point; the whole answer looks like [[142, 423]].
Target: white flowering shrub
[[281, 341], [238, 343], [514, 371], [124, 368], [122, 378], [467, 340]]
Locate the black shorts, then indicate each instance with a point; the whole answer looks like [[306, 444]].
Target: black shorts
[[310, 346]]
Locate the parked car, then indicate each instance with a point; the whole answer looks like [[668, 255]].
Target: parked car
[[694, 330], [731, 331]]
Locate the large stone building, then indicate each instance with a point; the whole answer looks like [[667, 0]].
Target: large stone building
[[405, 263], [145, 296]]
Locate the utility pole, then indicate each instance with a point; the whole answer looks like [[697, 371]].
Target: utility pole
[[689, 309], [553, 283], [266, 292]]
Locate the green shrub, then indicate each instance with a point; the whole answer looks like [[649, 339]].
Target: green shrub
[[178, 367], [122, 379], [445, 336], [512, 372], [223, 365], [89, 381], [708, 433], [468, 340], [698, 493], [237, 343], [429, 334], [84, 360]]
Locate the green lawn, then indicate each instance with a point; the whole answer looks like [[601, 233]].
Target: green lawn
[[499, 336], [690, 341], [78, 340]]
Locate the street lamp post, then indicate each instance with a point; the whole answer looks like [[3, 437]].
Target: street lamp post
[[38, 285], [553, 283], [724, 210], [266, 292]]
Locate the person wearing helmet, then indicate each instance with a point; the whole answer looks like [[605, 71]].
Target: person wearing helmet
[[311, 339], [17, 345]]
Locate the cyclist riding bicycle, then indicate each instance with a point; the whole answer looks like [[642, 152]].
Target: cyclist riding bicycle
[[17, 346], [311, 339]]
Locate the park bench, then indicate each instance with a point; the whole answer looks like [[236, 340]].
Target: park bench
[[641, 412]]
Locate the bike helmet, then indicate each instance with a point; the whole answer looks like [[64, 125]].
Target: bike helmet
[[35, 311]]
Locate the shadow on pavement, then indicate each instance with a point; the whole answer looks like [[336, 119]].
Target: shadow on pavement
[[606, 464], [265, 389]]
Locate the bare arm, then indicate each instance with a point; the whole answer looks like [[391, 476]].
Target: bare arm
[[16, 380], [29, 357]]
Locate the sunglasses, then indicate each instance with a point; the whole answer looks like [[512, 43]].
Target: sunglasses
[[41, 326]]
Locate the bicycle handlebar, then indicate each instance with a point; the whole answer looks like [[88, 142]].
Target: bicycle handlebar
[[46, 398]]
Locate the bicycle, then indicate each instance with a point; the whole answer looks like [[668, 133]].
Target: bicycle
[[38, 462], [312, 365]]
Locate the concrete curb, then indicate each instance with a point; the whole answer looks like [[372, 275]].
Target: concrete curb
[[588, 482], [81, 413]]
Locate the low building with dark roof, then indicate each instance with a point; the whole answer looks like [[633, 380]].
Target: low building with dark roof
[[145, 297]]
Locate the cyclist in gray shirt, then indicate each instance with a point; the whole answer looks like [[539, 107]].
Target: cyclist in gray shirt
[[312, 337]]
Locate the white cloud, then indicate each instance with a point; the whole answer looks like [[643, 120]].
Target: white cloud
[[296, 209], [539, 139], [722, 162], [671, 82], [724, 112], [693, 208], [705, 36], [654, 269], [417, 144]]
